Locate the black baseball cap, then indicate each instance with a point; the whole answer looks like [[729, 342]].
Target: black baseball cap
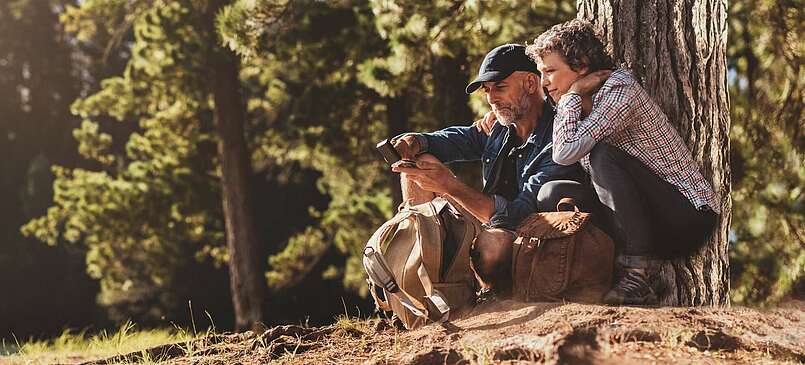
[[501, 62]]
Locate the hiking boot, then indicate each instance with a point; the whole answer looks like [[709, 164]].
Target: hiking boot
[[632, 289], [486, 295]]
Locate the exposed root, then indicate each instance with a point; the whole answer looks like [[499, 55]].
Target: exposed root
[[715, 340], [579, 347], [438, 355], [517, 353], [633, 335]]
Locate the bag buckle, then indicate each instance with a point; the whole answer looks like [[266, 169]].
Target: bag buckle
[[378, 270]]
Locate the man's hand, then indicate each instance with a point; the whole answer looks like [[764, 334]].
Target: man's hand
[[589, 83], [407, 146], [430, 176], [486, 123]]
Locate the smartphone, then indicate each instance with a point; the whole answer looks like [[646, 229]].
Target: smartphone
[[391, 155]]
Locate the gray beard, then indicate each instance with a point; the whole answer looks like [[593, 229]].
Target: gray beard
[[507, 117]]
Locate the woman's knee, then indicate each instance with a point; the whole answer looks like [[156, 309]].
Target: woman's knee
[[602, 156], [552, 192]]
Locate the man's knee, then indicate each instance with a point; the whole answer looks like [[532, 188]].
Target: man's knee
[[492, 257], [411, 192]]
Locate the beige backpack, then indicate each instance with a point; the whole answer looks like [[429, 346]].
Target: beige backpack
[[420, 261]]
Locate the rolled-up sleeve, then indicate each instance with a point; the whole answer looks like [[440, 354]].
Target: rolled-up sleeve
[[574, 137], [451, 144], [454, 144]]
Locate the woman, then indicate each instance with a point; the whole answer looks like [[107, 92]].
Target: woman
[[655, 201]]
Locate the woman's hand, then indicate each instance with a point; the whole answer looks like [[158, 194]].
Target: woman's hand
[[589, 83], [486, 123], [586, 85]]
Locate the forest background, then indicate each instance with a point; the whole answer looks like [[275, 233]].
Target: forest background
[[111, 181]]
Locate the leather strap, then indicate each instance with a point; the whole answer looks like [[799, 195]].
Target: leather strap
[[568, 203]]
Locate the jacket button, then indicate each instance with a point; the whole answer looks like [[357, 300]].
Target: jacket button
[[487, 160]]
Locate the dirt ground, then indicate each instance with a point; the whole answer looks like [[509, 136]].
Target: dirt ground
[[507, 332]]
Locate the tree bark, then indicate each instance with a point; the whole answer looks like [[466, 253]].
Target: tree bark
[[451, 106], [246, 265], [450, 102], [677, 49], [397, 114]]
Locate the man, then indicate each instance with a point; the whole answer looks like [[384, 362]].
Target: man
[[516, 157], [655, 200]]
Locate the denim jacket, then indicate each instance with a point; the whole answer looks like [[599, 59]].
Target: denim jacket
[[535, 165]]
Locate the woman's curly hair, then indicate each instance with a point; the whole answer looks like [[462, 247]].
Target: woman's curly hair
[[578, 44]]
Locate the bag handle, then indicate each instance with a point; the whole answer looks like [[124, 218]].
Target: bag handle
[[568, 203]]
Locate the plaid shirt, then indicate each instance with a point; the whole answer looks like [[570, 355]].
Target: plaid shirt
[[624, 116]]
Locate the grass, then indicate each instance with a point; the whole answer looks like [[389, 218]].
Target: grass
[[74, 347], [347, 324]]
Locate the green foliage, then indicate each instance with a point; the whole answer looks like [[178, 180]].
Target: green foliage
[[334, 137], [154, 205], [768, 149]]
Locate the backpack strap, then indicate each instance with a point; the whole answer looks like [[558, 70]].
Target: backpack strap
[[434, 307], [436, 298], [438, 204], [567, 205], [438, 310], [380, 304]]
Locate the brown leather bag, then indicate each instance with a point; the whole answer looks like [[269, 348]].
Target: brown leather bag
[[561, 256]]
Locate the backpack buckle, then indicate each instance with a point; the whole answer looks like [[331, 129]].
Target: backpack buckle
[[378, 270]]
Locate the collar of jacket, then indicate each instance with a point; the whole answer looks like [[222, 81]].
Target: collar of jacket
[[543, 130]]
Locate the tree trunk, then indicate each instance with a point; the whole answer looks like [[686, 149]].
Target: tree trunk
[[450, 102], [451, 106], [397, 114], [677, 49], [246, 265]]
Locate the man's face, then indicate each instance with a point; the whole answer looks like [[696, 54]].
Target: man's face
[[508, 98], [557, 76]]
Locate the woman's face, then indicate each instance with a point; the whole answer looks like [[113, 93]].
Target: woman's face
[[557, 76]]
